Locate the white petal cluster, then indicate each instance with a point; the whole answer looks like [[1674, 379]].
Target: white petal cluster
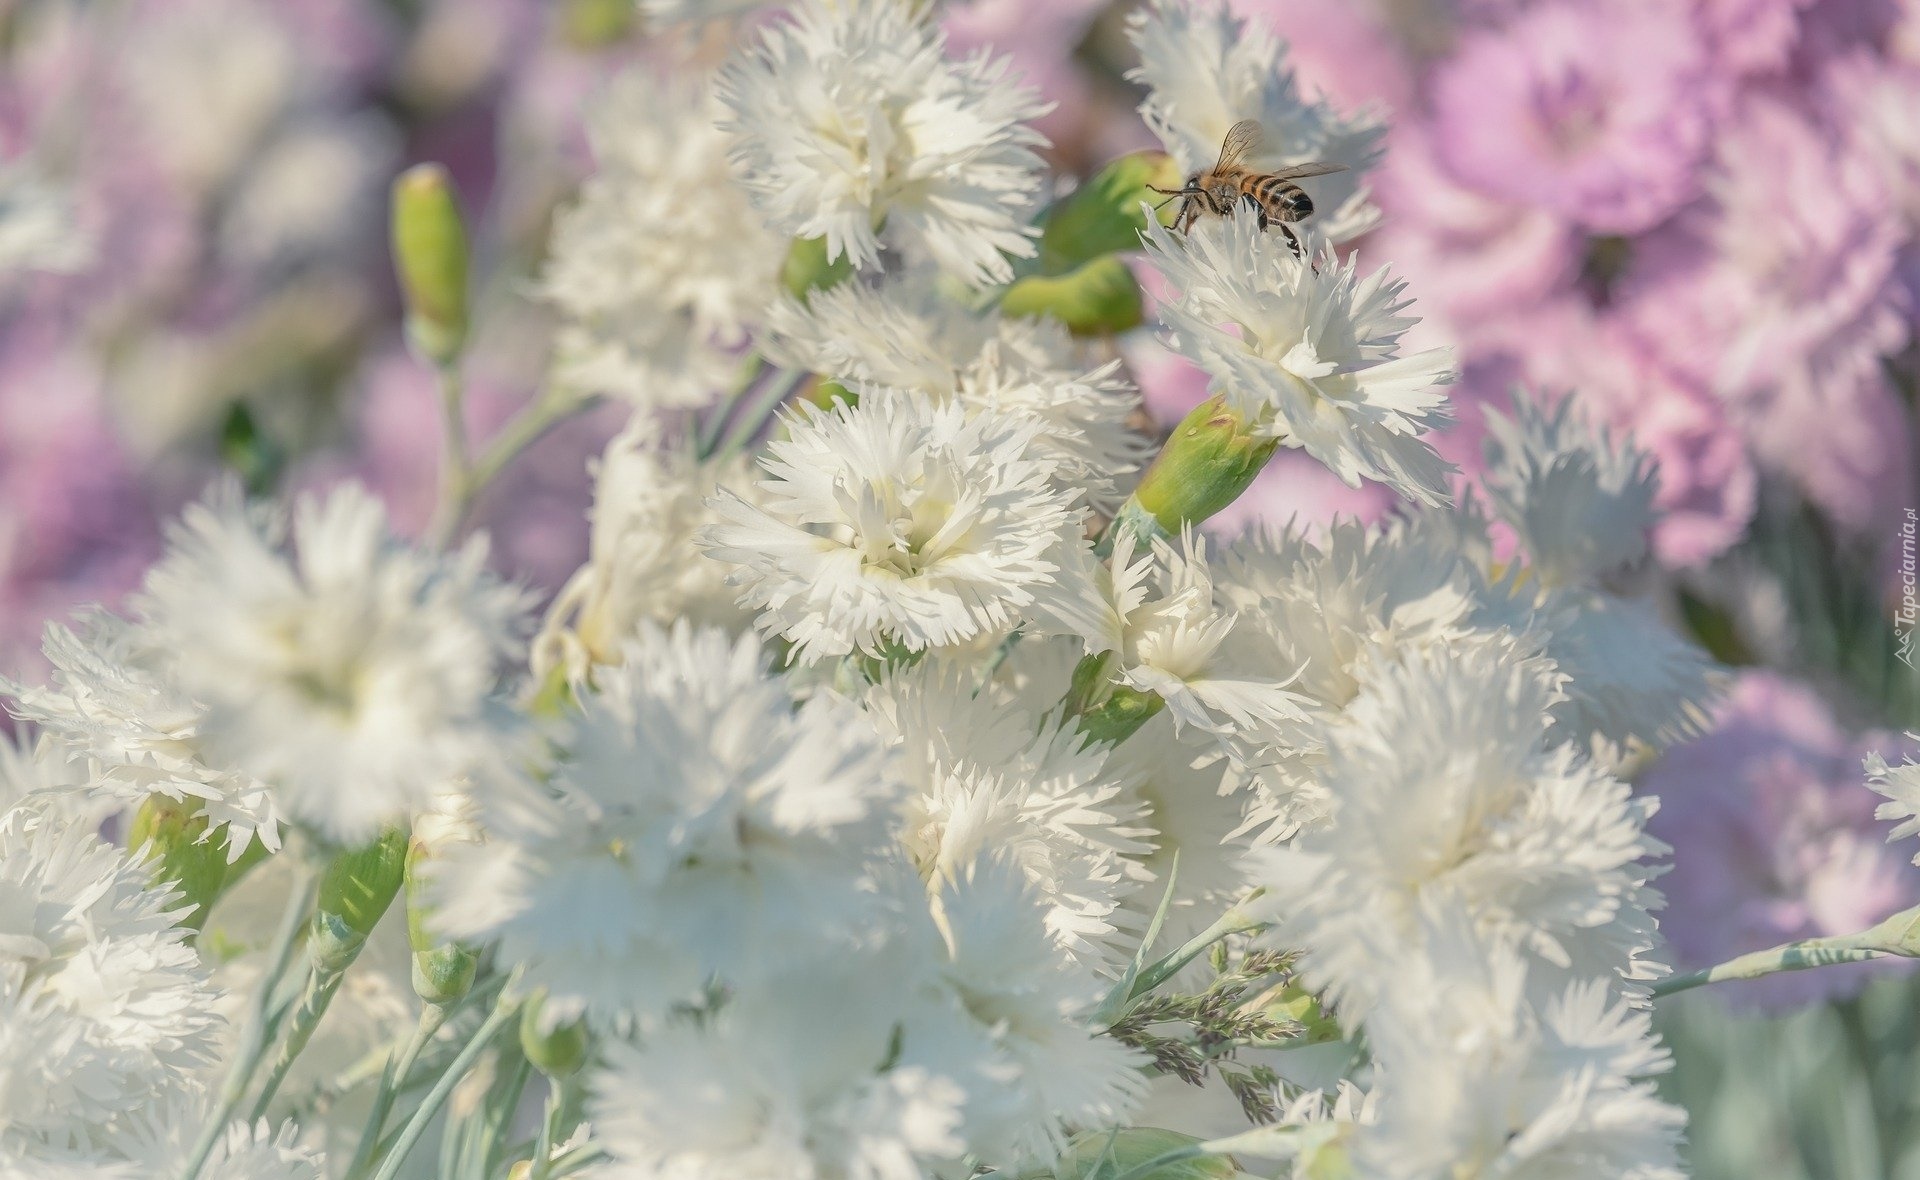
[[1901, 785], [905, 337], [850, 123], [104, 1008], [317, 670], [1580, 505], [650, 500], [694, 823], [897, 522], [1447, 798], [1307, 350], [662, 267], [39, 229], [1206, 69]]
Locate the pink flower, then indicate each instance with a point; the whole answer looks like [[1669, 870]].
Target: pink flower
[[1040, 38], [1340, 49], [1749, 36], [1774, 839], [1600, 112]]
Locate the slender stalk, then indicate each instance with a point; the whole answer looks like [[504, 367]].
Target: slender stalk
[[262, 1023], [560, 1093], [504, 1012], [708, 436], [756, 416], [391, 1082], [314, 1000], [1895, 937], [525, 429], [569, 1162]]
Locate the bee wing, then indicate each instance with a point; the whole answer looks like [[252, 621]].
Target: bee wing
[[1242, 138], [1301, 171]]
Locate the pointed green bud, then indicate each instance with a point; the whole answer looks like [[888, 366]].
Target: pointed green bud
[[559, 1051], [1104, 215], [173, 838], [430, 258], [1109, 1155], [591, 24], [355, 891], [442, 970], [1208, 460], [807, 269], [1099, 298]]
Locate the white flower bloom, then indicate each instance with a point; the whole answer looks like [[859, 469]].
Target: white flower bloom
[[696, 824], [1308, 351], [1016, 1010], [104, 1008], [660, 13], [1901, 785], [787, 1081], [1206, 69], [1172, 638], [899, 522], [1446, 794], [111, 701], [988, 778], [352, 673], [906, 336], [1631, 677], [662, 267], [649, 501], [1579, 505], [1475, 1083], [38, 227], [159, 1140], [849, 121], [51, 777]]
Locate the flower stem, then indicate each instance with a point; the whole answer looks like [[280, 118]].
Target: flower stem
[[314, 1000], [391, 1083], [1896, 937], [505, 1010], [262, 1021], [707, 437], [525, 429], [560, 1092]]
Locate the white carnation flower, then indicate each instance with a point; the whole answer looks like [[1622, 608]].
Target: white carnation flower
[[111, 701], [104, 1007], [906, 336], [787, 1081], [849, 120], [1475, 1083], [1579, 505], [649, 501], [39, 230], [351, 672], [1901, 785], [986, 777], [1206, 69], [900, 522], [1015, 1011], [1447, 794], [662, 267], [160, 1137], [1308, 350], [695, 824]]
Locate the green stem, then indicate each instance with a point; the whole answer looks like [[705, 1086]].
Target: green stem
[[391, 1083], [504, 1012], [1896, 937], [707, 440], [525, 429], [764, 407], [262, 1022], [322, 984], [1128, 990], [559, 1101]]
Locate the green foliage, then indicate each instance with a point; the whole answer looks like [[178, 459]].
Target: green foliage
[[1098, 298], [1104, 215], [1108, 1155], [807, 268]]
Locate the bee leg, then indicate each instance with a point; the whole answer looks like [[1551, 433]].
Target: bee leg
[[1293, 243]]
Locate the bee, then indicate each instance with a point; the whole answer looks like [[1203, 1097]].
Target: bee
[[1273, 195]]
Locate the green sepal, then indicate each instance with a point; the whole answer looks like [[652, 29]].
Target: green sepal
[[1099, 298], [355, 892], [430, 259], [807, 268], [1205, 464], [1104, 215], [172, 835], [558, 1052], [1109, 1155], [443, 970]]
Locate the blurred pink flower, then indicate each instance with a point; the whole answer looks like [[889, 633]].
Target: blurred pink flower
[[1343, 50], [1749, 36], [1040, 38], [76, 526], [1774, 839], [1599, 111]]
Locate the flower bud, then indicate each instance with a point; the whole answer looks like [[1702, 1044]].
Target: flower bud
[[593, 24], [559, 1051], [1107, 1155], [430, 257], [355, 891], [1208, 460], [1099, 298], [442, 970], [173, 837], [807, 268], [1105, 215]]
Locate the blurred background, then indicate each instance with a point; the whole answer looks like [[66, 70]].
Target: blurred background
[[1700, 219]]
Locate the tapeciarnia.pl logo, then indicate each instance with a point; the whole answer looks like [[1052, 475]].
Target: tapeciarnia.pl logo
[[1909, 611]]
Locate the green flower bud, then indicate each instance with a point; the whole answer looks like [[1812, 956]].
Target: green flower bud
[[558, 1052], [355, 891], [807, 269], [1106, 710], [172, 836], [1208, 460], [1107, 1155], [590, 24], [1104, 216], [442, 971], [430, 257], [1099, 298]]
